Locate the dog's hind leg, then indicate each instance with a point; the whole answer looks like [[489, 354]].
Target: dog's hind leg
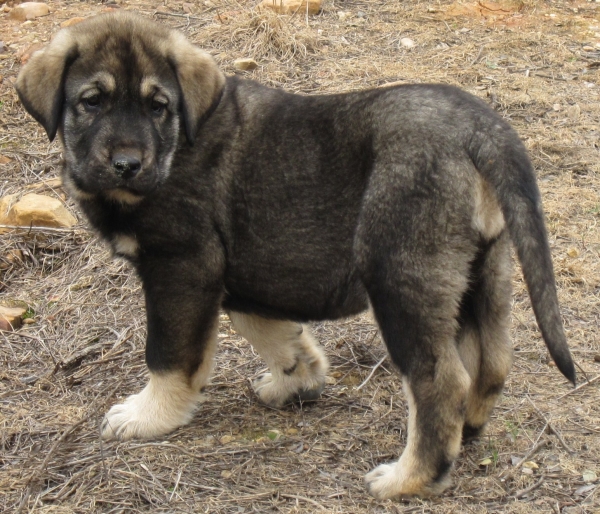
[[297, 365], [419, 331], [414, 261], [483, 340]]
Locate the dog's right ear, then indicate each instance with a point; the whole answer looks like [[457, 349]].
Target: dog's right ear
[[40, 84]]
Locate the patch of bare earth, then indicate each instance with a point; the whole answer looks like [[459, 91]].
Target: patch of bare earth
[[535, 62]]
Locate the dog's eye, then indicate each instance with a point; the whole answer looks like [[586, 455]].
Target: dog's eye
[[158, 107], [92, 102]]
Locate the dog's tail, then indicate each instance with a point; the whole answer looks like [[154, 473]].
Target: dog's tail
[[502, 160]]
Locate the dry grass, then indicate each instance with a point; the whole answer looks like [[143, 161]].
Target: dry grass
[[85, 349]]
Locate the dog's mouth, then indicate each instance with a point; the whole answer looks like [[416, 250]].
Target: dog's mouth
[[125, 195], [102, 182]]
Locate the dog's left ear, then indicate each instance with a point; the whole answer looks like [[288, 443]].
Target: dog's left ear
[[40, 84], [200, 80]]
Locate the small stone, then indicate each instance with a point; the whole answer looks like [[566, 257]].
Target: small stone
[[11, 318], [72, 21], [34, 210], [573, 252], [406, 42], [527, 471], [530, 464], [29, 11], [28, 321], [292, 6], [245, 64], [589, 476], [597, 357], [556, 107], [588, 48], [3, 158], [343, 15]]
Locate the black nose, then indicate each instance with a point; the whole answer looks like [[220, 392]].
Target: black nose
[[126, 166]]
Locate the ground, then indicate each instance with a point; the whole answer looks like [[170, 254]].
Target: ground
[[535, 62]]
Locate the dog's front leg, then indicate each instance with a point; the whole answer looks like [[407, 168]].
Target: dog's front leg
[[182, 309]]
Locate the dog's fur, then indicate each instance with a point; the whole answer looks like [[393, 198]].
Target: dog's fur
[[282, 209]]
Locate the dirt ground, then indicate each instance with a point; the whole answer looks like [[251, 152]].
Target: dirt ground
[[535, 62]]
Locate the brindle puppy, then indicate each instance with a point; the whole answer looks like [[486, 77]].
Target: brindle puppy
[[282, 209]]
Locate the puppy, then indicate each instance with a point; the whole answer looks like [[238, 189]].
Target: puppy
[[282, 209]]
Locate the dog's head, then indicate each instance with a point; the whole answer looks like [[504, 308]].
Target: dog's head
[[117, 89]]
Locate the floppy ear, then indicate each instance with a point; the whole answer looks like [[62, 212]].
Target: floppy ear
[[200, 80], [40, 84]]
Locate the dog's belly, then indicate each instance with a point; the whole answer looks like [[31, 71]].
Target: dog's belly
[[300, 295]]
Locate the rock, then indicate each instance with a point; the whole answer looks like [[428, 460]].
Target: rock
[[292, 6], [34, 210], [406, 42], [245, 64], [72, 21], [11, 318], [29, 11]]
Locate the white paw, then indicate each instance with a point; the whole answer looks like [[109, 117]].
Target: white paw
[[382, 482], [396, 480], [289, 389], [165, 404], [267, 391]]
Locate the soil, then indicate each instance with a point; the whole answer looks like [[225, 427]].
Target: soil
[[81, 349]]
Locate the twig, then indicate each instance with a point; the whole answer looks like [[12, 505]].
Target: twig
[[552, 429], [476, 60], [578, 387], [52, 230], [303, 498], [371, 374], [187, 16], [523, 492]]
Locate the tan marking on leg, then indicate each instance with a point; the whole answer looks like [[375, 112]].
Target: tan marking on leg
[[414, 474], [488, 219], [494, 366], [168, 401], [297, 364]]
